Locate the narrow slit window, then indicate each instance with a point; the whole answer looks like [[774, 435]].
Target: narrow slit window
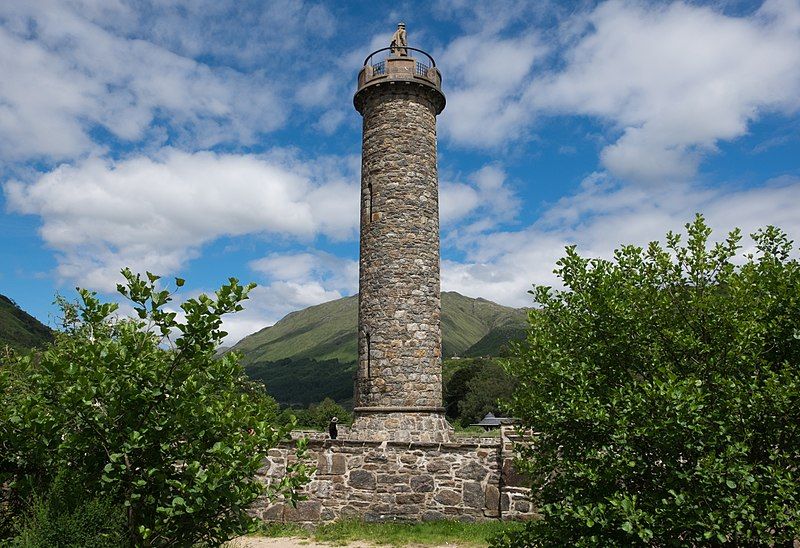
[[369, 358], [369, 208]]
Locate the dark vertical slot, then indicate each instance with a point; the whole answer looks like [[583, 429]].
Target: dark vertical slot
[[369, 358], [369, 186]]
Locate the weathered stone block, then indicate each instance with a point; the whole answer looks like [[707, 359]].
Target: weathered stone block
[[331, 463], [522, 506], [422, 483], [438, 465], [361, 479], [473, 494], [432, 515], [511, 476], [448, 497], [491, 501], [410, 498], [474, 471], [467, 518], [306, 510], [388, 479], [273, 513]]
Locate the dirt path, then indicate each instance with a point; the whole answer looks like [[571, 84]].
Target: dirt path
[[266, 542]]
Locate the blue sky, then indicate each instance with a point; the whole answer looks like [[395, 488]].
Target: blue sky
[[209, 139]]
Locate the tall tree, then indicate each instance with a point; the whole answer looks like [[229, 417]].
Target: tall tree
[[146, 417], [663, 387]]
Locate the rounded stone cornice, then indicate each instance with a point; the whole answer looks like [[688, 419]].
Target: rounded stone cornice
[[398, 409], [422, 88]]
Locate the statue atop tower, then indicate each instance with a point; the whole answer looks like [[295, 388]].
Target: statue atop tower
[[398, 387], [399, 41]]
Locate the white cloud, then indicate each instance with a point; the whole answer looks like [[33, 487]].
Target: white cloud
[[676, 79], [485, 200], [154, 214], [670, 80], [600, 217], [311, 266], [65, 75], [484, 78]]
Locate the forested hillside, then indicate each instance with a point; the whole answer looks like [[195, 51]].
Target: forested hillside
[[20, 330]]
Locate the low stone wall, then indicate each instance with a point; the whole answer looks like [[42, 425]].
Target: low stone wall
[[471, 480]]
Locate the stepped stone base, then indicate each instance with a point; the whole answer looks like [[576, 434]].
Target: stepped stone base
[[426, 425]]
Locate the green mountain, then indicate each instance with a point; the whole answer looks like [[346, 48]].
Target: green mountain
[[311, 354], [20, 330]]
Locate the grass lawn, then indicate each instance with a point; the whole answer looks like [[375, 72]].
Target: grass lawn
[[397, 534]]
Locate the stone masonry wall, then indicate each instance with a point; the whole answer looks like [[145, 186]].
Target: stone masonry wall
[[468, 481], [399, 303]]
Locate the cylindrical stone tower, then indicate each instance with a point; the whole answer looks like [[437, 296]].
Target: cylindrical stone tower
[[398, 387]]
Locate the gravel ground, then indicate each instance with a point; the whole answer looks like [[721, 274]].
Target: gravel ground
[[266, 542]]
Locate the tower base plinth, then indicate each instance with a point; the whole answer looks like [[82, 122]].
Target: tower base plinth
[[401, 424]]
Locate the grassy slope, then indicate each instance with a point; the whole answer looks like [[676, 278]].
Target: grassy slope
[[323, 332], [20, 330]]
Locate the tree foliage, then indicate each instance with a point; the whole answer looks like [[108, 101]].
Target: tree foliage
[[663, 387], [319, 415], [475, 388], [143, 411]]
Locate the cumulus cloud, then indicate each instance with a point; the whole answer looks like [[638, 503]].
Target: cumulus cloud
[[486, 76], [483, 201], [66, 75], [669, 80], [676, 79], [601, 216], [155, 213], [333, 272]]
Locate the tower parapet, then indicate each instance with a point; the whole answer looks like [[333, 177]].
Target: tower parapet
[[387, 70], [398, 388]]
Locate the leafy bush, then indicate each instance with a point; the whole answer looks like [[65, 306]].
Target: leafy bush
[[664, 390], [144, 412], [69, 516]]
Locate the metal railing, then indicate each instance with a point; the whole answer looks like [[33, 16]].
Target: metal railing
[[407, 48], [422, 69], [379, 68]]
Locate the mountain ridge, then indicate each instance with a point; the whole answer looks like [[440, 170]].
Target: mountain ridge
[[310, 354]]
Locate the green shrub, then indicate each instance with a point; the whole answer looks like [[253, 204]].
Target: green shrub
[[146, 414], [69, 516], [664, 390]]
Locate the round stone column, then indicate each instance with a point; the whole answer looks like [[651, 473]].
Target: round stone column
[[398, 387]]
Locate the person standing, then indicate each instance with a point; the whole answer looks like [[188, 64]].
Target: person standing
[[332, 430]]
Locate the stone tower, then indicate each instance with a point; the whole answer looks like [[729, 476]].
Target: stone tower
[[398, 387]]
